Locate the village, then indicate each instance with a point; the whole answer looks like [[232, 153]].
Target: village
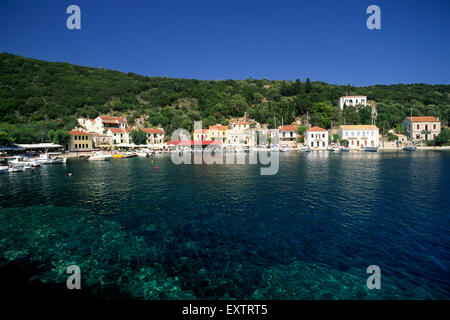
[[110, 136], [109, 133]]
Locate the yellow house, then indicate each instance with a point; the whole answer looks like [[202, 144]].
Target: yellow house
[[218, 132], [80, 141]]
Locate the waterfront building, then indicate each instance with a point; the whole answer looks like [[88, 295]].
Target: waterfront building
[[354, 101], [218, 133], [239, 133], [259, 137], [201, 135], [240, 125], [119, 135], [316, 138], [79, 140], [287, 135], [154, 135], [359, 135], [422, 128], [274, 135], [401, 138], [101, 124]]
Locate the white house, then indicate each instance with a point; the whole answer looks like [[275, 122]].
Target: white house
[[119, 135], [422, 128], [354, 101], [316, 138], [359, 135], [101, 124], [288, 135], [154, 136], [239, 133]]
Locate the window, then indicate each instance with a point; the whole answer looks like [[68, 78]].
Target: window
[[323, 135], [346, 133], [418, 126], [323, 144], [434, 127], [417, 136], [353, 134], [292, 134], [75, 146], [312, 143], [75, 137]]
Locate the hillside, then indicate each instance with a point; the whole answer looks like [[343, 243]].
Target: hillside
[[39, 97]]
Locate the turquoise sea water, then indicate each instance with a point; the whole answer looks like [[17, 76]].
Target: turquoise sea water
[[225, 231]]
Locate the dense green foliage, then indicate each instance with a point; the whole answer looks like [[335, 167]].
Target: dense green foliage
[[138, 137], [37, 97], [443, 139]]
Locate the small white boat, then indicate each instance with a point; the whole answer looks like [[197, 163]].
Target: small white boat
[[47, 159], [100, 156], [345, 149], [370, 149], [25, 161], [44, 159], [4, 169], [16, 168], [142, 154], [410, 148], [305, 149]]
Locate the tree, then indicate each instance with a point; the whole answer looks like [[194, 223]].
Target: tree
[[308, 86], [60, 137], [6, 139], [301, 130], [138, 137], [321, 114], [443, 138]]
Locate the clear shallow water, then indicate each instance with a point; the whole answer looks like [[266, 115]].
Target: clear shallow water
[[224, 231]]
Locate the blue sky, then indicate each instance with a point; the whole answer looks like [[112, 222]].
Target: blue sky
[[325, 40]]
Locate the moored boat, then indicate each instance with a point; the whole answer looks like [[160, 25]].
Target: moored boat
[[410, 148], [305, 149], [100, 156], [370, 149]]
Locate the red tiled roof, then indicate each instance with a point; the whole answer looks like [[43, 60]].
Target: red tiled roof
[[119, 130], [106, 118], [200, 130], [218, 127], [316, 129], [152, 130], [192, 142], [76, 132], [110, 121], [287, 128], [423, 119]]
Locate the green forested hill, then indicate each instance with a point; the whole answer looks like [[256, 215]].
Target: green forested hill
[[39, 97]]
